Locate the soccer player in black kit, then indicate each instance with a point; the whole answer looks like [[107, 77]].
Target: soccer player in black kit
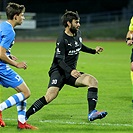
[[63, 69]]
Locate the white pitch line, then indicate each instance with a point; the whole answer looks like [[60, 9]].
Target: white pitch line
[[78, 123], [85, 123]]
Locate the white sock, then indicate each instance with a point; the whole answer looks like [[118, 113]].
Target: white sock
[[21, 108]]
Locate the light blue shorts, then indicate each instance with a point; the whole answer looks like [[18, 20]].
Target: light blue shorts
[[9, 78]]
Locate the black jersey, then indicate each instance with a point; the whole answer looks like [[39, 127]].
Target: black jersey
[[67, 52]]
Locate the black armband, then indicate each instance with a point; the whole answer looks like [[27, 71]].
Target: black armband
[[128, 39]]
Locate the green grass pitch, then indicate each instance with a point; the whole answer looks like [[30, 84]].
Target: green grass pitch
[[68, 112]]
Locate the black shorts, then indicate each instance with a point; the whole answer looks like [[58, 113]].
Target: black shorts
[[58, 79], [131, 56]]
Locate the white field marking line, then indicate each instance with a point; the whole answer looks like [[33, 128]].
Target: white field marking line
[[78, 123], [85, 123]]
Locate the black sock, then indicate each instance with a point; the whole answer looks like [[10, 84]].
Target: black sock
[[36, 106], [92, 98]]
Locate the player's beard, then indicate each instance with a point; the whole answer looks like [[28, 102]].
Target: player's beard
[[73, 30]]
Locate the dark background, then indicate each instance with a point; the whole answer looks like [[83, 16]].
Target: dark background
[[59, 6]]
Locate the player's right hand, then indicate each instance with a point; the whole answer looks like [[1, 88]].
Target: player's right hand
[[21, 65]]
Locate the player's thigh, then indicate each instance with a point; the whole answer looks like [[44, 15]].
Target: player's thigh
[[56, 80], [23, 88], [86, 80]]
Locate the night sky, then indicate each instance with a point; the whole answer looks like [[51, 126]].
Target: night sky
[[59, 6]]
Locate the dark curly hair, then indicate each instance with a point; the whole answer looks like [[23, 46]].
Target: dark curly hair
[[69, 16]]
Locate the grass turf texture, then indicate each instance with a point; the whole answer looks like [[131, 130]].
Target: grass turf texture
[[68, 112]]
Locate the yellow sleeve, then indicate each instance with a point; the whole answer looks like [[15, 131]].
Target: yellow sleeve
[[131, 25]]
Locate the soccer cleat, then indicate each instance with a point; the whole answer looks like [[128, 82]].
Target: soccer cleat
[[2, 123], [96, 115], [26, 126]]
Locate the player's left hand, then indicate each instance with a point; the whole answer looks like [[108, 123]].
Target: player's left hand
[[98, 49], [75, 73]]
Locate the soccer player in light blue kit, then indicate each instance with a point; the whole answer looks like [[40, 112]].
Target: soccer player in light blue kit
[[8, 77]]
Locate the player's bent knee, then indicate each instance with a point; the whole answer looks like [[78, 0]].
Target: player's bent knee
[[93, 82], [88, 80], [27, 94], [24, 89]]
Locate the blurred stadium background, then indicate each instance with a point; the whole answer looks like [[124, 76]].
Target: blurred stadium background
[[100, 19]]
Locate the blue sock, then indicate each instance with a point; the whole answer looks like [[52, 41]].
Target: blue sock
[[12, 100]]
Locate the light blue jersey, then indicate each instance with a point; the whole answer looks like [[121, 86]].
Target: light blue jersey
[[7, 36], [8, 78]]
